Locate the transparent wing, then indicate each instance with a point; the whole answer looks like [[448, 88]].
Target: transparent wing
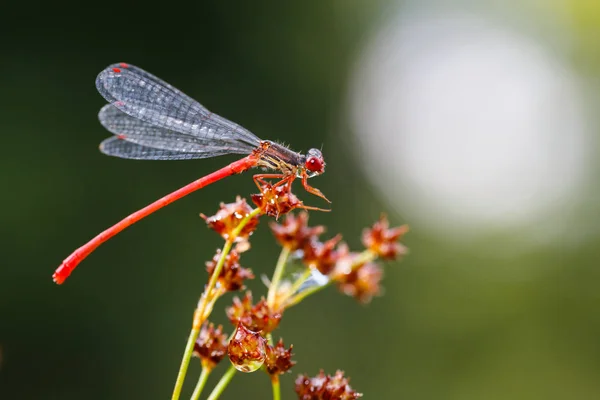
[[114, 146], [143, 96], [133, 130]]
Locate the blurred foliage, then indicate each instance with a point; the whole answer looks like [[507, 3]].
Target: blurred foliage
[[453, 324]]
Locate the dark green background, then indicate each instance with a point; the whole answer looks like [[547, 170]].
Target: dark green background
[[445, 329]]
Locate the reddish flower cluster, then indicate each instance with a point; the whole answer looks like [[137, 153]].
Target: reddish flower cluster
[[211, 345], [325, 387], [355, 273], [228, 218], [383, 241], [278, 360], [277, 199], [362, 282], [294, 233], [322, 256], [258, 318], [232, 274]]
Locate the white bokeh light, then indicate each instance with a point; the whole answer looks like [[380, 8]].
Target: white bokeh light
[[461, 121]]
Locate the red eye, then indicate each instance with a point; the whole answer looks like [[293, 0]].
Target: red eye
[[314, 164]]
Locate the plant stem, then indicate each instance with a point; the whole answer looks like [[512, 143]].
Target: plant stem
[[301, 296], [205, 299], [185, 362], [305, 275], [222, 384], [279, 268], [199, 316], [364, 257], [201, 382], [276, 387]]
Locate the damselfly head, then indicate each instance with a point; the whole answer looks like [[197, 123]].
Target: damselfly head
[[314, 163]]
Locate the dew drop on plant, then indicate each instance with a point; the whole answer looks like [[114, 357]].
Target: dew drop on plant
[[247, 349]]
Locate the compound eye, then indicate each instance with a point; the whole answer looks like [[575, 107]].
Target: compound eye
[[314, 164]]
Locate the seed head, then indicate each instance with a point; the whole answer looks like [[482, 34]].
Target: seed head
[[322, 256], [325, 387], [294, 233], [232, 274], [276, 200], [362, 283], [211, 345], [229, 216], [279, 360], [383, 240], [258, 318]]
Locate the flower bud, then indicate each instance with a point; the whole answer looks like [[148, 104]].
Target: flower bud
[[383, 240], [279, 360], [228, 218], [211, 345], [322, 387], [294, 233], [232, 274], [259, 317], [275, 201]]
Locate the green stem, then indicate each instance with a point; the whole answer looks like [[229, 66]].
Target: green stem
[[305, 275], [199, 316], [276, 388], [301, 296], [212, 283], [218, 390], [279, 268], [201, 382], [364, 257], [185, 362], [226, 248]]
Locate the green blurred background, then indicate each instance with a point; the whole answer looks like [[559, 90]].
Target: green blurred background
[[499, 296]]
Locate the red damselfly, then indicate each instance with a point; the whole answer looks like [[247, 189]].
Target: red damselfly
[[152, 120]]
